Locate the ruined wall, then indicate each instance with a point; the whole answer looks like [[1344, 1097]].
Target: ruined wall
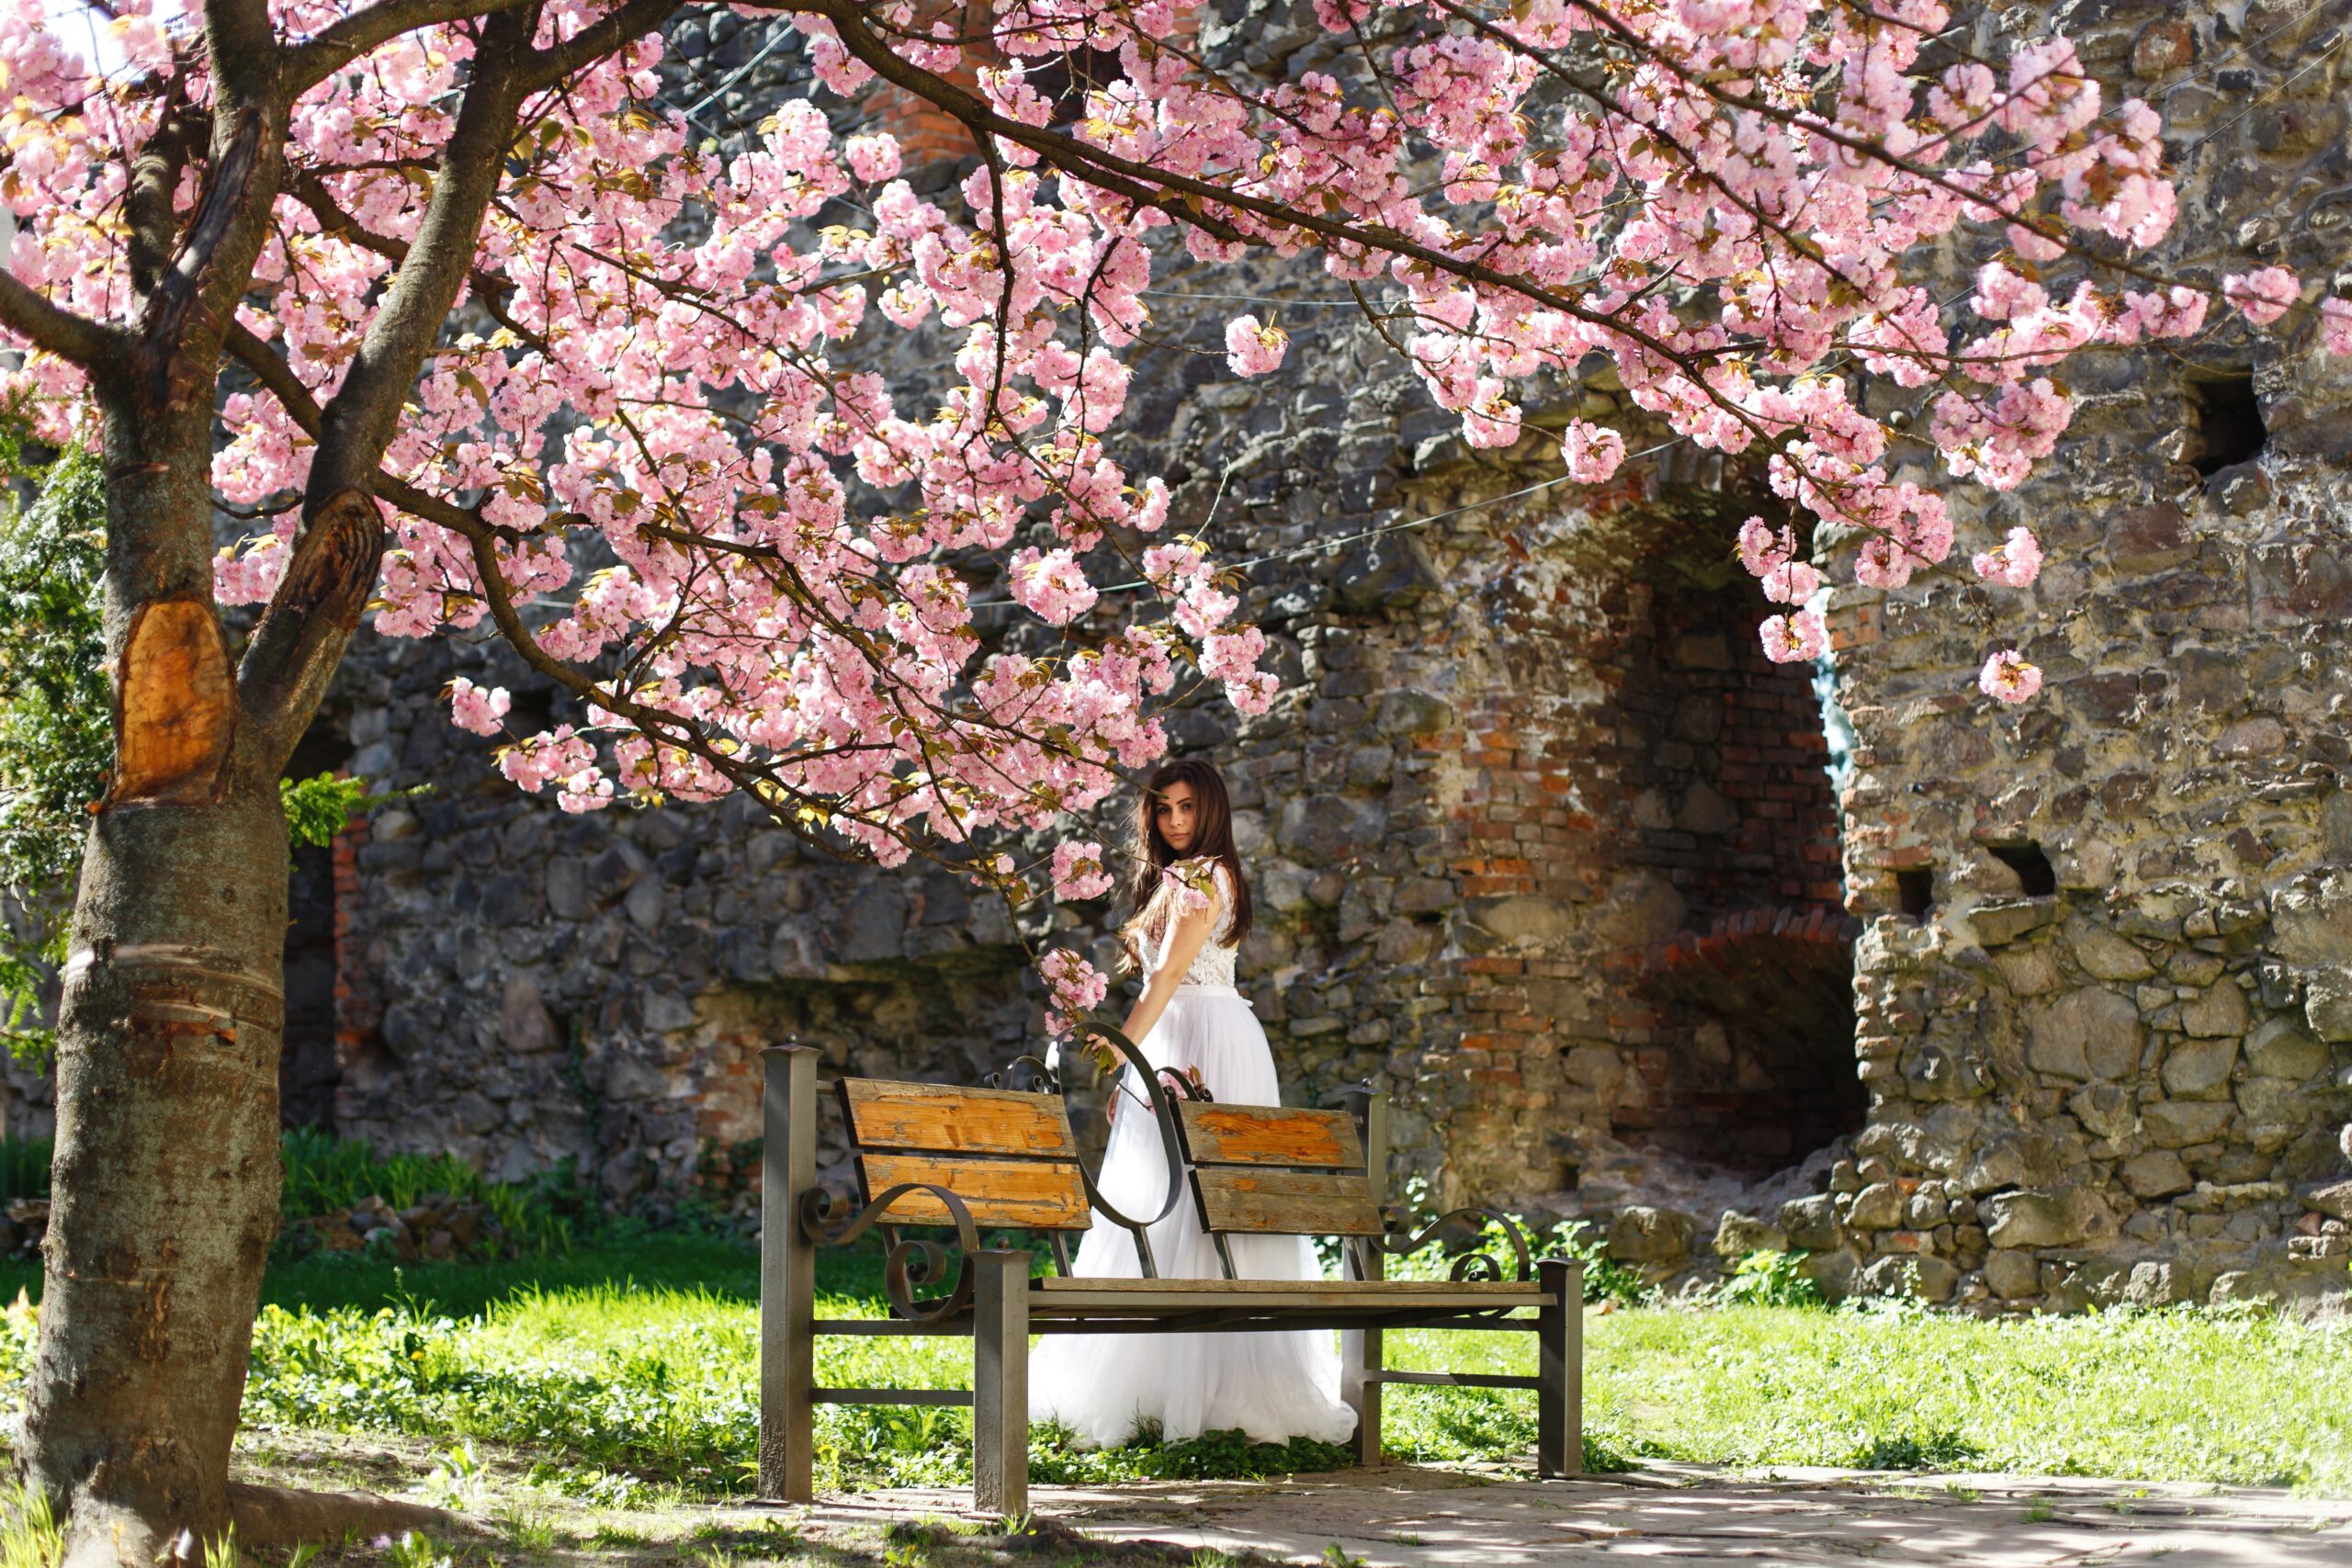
[[2040, 1007], [2124, 1076]]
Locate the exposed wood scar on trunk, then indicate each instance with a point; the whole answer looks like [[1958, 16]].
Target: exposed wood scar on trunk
[[175, 706]]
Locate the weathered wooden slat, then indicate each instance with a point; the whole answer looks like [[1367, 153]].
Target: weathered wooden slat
[[1456, 1380], [943, 1119], [1026, 1194], [1413, 1290], [1163, 1297], [1269, 1135], [947, 1396], [1241, 1198]]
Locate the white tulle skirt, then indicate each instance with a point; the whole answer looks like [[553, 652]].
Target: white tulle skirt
[[1272, 1386]]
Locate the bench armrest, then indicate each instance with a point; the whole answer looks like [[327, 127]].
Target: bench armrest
[[1400, 1240], [910, 1263]]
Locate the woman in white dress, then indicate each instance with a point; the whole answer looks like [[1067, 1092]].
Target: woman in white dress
[[1191, 911]]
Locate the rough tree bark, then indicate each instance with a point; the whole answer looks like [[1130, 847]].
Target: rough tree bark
[[166, 1171]]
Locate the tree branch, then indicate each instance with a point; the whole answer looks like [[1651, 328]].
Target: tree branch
[[359, 423], [309, 622], [52, 329], [607, 33], [350, 38]]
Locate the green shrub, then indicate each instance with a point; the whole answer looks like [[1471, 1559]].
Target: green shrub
[[24, 1166], [1770, 1278], [327, 1175]]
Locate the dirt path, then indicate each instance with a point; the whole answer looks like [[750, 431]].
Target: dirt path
[[1400, 1518]]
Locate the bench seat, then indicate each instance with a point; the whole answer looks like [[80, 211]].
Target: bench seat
[[974, 1161]]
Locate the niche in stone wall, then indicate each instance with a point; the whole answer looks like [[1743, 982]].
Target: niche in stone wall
[[2225, 421], [1748, 1061]]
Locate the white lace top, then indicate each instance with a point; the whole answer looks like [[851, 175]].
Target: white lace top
[[1214, 963]]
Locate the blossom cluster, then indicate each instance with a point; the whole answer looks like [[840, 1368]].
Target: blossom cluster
[[659, 371]]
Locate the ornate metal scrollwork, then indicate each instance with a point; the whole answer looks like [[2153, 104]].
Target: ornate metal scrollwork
[[1026, 1074], [1163, 1114], [1470, 1263], [910, 1263]]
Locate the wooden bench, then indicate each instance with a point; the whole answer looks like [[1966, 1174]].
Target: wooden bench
[[931, 1155]]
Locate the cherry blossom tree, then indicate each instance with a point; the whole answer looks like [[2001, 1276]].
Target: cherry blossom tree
[[475, 328]]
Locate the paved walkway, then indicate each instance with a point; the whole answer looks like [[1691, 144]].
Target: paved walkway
[[1405, 1518]]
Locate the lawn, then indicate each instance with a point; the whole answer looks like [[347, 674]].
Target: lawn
[[631, 1372]]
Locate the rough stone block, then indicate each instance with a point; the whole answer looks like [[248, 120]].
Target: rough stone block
[[2105, 1110], [2022, 1159], [2088, 1033], [567, 888], [1834, 1270], [2327, 1002], [2333, 1198], [2310, 919], [1812, 1222], [2179, 1123], [2200, 1069], [1924, 1275], [1999, 922], [1523, 917], [1877, 1207], [1329, 828], [1737, 1235], [2051, 1217], [796, 952], [2273, 1100], [1643, 1235], [2159, 1173], [874, 925], [2149, 539], [1408, 712], [2281, 1049], [2012, 1276], [2221, 1010]]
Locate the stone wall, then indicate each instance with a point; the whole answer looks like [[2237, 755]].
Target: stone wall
[[2010, 1009]]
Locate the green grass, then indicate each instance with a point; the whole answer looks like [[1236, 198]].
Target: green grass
[[635, 1369]]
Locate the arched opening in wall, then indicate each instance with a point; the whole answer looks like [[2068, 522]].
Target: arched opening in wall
[[307, 1073], [1747, 1053]]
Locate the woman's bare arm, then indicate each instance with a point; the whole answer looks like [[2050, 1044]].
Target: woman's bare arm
[[1184, 945]]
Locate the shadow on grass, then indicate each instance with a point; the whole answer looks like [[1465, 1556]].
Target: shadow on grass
[[723, 1266]]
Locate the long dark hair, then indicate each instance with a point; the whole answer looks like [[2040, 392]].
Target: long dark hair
[[1151, 854]]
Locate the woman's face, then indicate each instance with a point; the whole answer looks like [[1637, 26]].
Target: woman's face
[[1177, 815]]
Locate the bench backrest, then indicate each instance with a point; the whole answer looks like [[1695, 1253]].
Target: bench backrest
[[1009, 1155], [1274, 1170]]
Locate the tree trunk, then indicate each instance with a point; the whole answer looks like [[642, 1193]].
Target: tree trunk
[[166, 1175], [164, 1187]]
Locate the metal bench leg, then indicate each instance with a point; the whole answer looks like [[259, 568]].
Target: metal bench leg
[[1000, 1383], [1359, 1355], [1359, 1362], [787, 1278], [1559, 1395]]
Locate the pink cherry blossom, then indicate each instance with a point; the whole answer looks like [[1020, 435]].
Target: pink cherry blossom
[[2335, 324], [1074, 987], [1762, 550], [1791, 582], [2014, 563], [1079, 870], [656, 415], [2263, 297], [1592, 452], [1793, 639], [2007, 678], [483, 712], [1252, 349]]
